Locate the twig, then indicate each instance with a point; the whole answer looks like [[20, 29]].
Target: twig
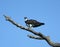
[[35, 37]]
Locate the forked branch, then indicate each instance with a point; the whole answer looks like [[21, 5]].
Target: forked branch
[[40, 35]]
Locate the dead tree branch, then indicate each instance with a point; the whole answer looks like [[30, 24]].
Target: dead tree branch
[[35, 37], [41, 36]]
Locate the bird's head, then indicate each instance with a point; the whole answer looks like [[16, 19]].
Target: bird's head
[[25, 18]]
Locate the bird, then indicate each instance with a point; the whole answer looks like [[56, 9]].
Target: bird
[[32, 23]]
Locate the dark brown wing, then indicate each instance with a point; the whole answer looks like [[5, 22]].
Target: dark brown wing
[[34, 23]]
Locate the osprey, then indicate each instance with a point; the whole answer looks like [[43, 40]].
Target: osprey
[[32, 23]]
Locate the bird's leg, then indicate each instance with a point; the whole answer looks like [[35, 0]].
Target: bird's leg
[[27, 25], [30, 25]]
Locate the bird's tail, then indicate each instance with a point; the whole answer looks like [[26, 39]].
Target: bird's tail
[[42, 23]]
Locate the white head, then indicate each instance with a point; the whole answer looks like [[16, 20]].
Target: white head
[[25, 18]]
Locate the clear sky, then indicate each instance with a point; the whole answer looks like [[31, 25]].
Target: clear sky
[[47, 11]]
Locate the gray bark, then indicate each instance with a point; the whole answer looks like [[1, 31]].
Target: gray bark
[[39, 35]]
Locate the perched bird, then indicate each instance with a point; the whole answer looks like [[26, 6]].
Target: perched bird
[[32, 23]]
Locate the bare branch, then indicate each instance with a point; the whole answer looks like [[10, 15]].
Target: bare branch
[[35, 37], [47, 39]]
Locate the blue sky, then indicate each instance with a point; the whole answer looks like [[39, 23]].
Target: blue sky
[[47, 11]]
